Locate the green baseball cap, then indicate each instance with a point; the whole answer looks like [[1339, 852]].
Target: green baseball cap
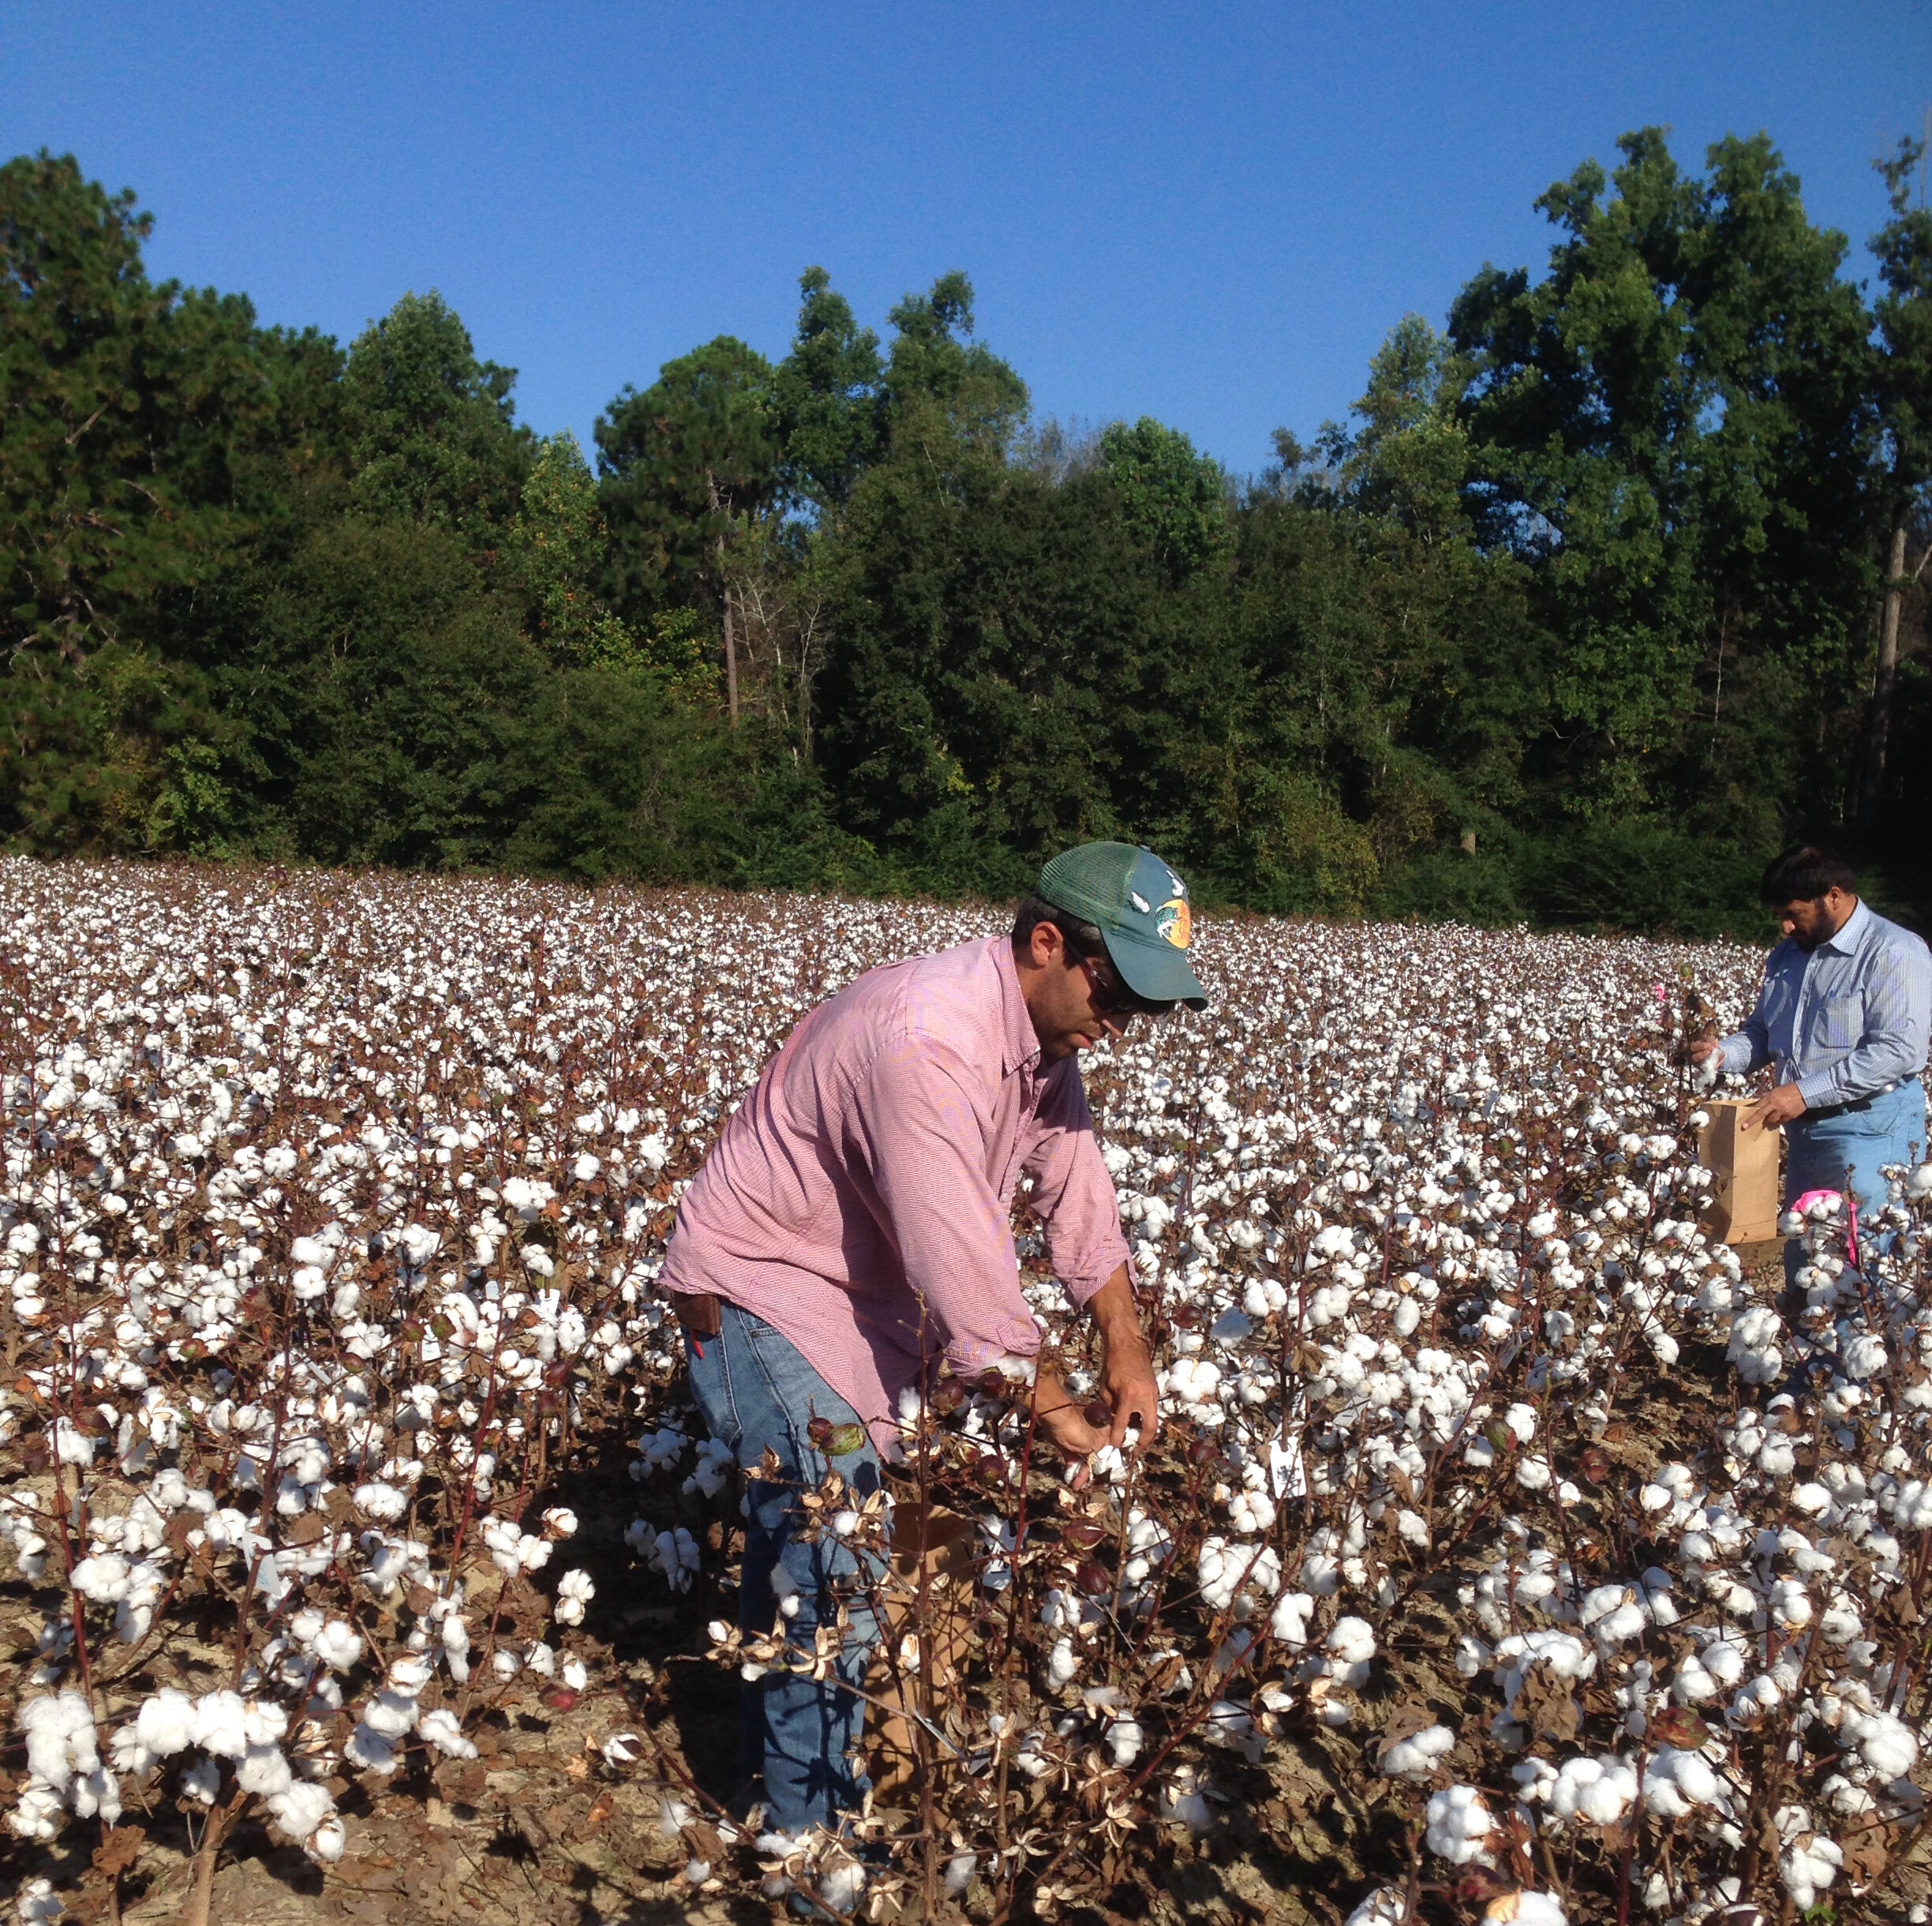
[[1140, 908]]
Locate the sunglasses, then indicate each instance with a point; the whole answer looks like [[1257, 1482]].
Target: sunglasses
[[1112, 1000]]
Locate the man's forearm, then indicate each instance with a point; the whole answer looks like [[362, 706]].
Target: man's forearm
[[1113, 1309]]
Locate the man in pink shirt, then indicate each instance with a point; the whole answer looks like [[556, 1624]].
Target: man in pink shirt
[[852, 1228]]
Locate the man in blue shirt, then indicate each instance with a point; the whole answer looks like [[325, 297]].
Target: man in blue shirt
[[1844, 1015]]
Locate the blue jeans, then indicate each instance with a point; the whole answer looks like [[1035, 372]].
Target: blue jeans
[[1847, 1153], [757, 1392]]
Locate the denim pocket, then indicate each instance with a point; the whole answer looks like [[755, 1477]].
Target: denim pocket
[[710, 1383]]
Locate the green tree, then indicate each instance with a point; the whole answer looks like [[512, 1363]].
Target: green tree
[[123, 399], [137, 439], [684, 465], [1175, 498], [1903, 248], [937, 377], [826, 397], [557, 547], [431, 430], [1409, 459], [1672, 426]]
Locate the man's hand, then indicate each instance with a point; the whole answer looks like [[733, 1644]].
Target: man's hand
[[1776, 1107], [1062, 1420], [1127, 1377], [1703, 1048]]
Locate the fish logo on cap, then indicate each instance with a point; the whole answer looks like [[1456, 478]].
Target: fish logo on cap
[[1174, 922]]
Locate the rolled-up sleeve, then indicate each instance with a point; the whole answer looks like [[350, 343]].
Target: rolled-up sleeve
[[1072, 1194], [922, 1143]]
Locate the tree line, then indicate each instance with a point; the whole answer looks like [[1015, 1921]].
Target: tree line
[[1604, 589]]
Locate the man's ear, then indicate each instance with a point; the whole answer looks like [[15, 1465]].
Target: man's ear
[[1045, 944]]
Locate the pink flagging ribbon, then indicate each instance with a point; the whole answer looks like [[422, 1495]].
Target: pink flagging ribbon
[[1803, 1204]]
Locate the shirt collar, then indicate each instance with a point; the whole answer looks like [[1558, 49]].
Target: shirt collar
[[1847, 937], [1020, 1043]]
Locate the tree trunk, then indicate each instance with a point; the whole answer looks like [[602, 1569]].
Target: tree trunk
[[1879, 728], [731, 648], [731, 639]]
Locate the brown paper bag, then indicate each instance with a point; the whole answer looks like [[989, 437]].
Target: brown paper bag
[[946, 1541], [1744, 1176]]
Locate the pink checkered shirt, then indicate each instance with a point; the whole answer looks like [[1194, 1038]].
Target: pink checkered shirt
[[873, 1165]]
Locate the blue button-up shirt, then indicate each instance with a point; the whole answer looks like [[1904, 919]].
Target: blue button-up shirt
[[1845, 1020]]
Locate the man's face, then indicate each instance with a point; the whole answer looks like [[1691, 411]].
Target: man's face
[[1061, 999], [1810, 923]]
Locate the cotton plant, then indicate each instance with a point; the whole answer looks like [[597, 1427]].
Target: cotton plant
[[1409, 1211]]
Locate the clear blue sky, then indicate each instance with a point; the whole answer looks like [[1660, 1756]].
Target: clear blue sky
[[1208, 213]]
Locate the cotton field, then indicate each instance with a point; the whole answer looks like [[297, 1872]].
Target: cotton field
[[1508, 1549]]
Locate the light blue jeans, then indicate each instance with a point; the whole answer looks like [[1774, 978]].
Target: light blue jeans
[[757, 1392], [1848, 1153]]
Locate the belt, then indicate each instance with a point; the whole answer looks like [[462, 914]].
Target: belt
[[699, 1312], [1857, 1103]]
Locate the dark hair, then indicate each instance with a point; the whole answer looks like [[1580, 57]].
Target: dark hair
[[1035, 910], [1803, 874]]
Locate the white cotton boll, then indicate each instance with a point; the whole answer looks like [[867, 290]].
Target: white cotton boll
[[369, 1750], [103, 1578], [1125, 1739], [959, 1872], [1414, 1758], [1533, 1474], [1062, 1666], [299, 1808], [561, 1520], [220, 1724], [39, 1812], [1599, 1790], [37, 1904], [60, 1735], [1458, 1824], [1807, 1867], [1183, 1799], [165, 1724], [574, 1591], [382, 1503], [1229, 1726], [390, 1714], [575, 1676], [1527, 1909], [1886, 1744], [1863, 1358], [1290, 1621], [329, 1841], [1352, 1643], [1689, 1772], [1386, 1906], [264, 1771], [442, 1729], [338, 1645], [842, 1883]]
